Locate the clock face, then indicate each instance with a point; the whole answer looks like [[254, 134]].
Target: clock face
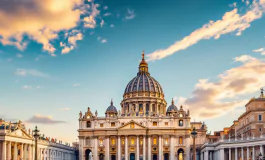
[[87, 117], [180, 115]]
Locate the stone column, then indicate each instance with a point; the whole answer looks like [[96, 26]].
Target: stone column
[[81, 154], [144, 148], [107, 149], [247, 153], [21, 151], [15, 151], [229, 154], [137, 148], [3, 150], [171, 148], [95, 156], [236, 157], [126, 147], [119, 147], [160, 147], [149, 148], [253, 153], [9, 146], [242, 153], [206, 155], [211, 155], [222, 154], [201, 155], [187, 143]]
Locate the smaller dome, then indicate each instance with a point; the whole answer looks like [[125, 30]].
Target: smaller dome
[[172, 107], [111, 108]]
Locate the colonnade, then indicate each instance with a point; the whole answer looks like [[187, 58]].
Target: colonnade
[[16, 151], [143, 148], [234, 152]]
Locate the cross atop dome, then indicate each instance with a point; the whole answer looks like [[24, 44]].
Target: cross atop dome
[[143, 67]]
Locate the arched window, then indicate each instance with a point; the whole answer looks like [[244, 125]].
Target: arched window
[[154, 123], [88, 124], [180, 122], [100, 142], [112, 141], [132, 141], [147, 108], [140, 107], [122, 141], [180, 140], [155, 141], [166, 141]]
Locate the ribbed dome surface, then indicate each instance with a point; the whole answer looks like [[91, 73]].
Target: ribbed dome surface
[[172, 107], [143, 82]]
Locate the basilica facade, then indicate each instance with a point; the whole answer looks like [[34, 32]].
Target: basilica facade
[[143, 127]]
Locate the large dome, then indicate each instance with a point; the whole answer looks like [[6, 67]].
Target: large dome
[[143, 81]]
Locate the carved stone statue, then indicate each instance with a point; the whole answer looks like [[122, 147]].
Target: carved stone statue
[[90, 156], [80, 115], [119, 113], [96, 113], [188, 112]]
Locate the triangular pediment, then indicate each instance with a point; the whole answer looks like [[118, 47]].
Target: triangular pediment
[[131, 125], [20, 133]]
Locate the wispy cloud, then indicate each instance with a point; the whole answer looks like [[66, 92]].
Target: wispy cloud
[[106, 14], [231, 22], [43, 120], [19, 55], [103, 40], [260, 50], [64, 109], [102, 23], [105, 7], [76, 85], [214, 98], [130, 14], [244, 58], [112, 26], [73, 36], [28, 87], [30, 72]]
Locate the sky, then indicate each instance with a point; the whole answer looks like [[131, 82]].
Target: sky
[[58, 57]]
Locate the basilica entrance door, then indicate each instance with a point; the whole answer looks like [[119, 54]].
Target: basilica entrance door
[[166, 156], [101, 157], [154, 157], [87, 154], [113, 157], [132, 156]]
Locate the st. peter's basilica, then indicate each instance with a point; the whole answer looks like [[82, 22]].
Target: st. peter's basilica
[[145, 127]]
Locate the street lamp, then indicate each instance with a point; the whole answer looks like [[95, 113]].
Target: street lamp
[[194, 135], [36, 136]]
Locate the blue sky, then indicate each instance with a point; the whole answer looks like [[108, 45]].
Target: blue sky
[[64, 58]]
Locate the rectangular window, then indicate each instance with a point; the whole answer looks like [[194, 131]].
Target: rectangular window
[[166, 123], [260, 117], [112, 124], [180, 122], [154, 123], [101, 125]]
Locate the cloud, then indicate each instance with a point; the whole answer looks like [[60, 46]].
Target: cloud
[[105, 7], [30, 72], [64, 109], [244, 58], [112, 26], [27, 87], [40, 21], [43, 120], [102, 23], [130, 14], [211, 99], [231, 22], [90, 21], [76, 85], [106, 14], [73, 36], [260, 50], [19, 55], [103, 40]]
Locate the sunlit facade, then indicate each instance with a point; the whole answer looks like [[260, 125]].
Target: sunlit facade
[[143, 129]]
